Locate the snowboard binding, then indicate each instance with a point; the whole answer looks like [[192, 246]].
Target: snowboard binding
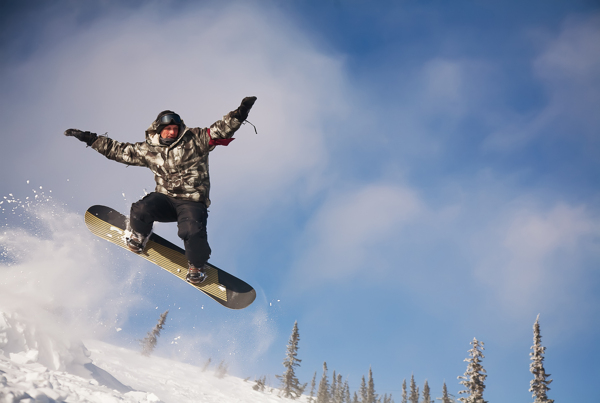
[[136, 242], [196, 275]]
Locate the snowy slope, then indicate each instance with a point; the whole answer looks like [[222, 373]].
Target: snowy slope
[[35, 366]]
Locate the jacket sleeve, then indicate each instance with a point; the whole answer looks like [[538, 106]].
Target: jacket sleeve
[[224, 128], [125, 153]]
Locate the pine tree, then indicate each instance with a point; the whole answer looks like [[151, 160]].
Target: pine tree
[[355, 398], [363, 391], [426, 393], [221, 370], [291, 387], [414, 391], [338, 396], [149, 342], [404, 394], [539, 384], [445, 396], [371, 395], [475, 376], [312, 388], [346, 392], [260, 384], [333, 388], [323, 391]]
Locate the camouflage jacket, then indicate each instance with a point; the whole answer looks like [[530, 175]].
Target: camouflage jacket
[[181, 169]]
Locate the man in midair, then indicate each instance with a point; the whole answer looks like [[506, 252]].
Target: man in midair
[[178, 157]]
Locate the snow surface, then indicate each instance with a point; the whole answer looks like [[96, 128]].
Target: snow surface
[[35, 366]]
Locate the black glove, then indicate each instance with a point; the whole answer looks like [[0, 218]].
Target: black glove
[[86, 137], [241, 113]]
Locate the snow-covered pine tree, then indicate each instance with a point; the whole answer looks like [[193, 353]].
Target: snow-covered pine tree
[[445, 396], [539, 384], [346, 392], [260, 384], [222, 369], [338, 396], [371, 395], [290, 386], [323, 391], [312, 388], [414, 391], [363, 390], [474, 378], [404, 394], [426, 393], [333, 387], [149, 342], [387, 399], [355, 398]]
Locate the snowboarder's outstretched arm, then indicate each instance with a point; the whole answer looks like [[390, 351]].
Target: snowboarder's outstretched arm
[[125, 153], [226, 127]]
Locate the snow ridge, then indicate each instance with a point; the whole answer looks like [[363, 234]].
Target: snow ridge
[[34, 364]]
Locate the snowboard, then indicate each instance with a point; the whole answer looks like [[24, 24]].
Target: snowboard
[[221, 286]]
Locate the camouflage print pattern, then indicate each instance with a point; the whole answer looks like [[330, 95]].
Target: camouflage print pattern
[[181, 169]]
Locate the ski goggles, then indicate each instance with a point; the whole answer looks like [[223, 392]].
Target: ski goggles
[[170, 119]]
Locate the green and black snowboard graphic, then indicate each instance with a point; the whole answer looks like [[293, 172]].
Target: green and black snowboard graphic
[[221, 286]]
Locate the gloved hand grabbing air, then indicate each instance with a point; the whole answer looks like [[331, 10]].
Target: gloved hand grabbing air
[[86, 137], [241, 113]]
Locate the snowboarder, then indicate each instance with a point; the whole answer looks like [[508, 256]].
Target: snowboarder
[[178, 157]]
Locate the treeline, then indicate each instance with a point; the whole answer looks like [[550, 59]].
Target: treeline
[[338, 390]]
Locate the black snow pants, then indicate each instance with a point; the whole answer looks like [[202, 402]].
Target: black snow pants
[[191, 220]]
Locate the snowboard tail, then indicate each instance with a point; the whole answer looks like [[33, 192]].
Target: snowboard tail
[[221, 286]]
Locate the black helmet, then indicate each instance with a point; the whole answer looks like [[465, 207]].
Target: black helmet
[[166, 118]]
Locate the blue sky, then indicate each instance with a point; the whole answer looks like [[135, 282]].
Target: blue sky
[[423, 173]]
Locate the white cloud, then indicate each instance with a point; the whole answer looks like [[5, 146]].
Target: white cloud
[[570, 67], [342, 239], [569, 70], [436, 102], [534, 258], [444, 86], [575, 54]]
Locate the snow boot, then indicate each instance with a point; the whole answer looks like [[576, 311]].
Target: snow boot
[[196, 275], [136, 242]]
